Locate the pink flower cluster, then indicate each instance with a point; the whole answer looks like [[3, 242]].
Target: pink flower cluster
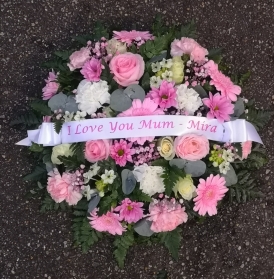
[[209, 192], [166, 215], [129, 211], [145, 154], [189, 46], [129, 37], [64, 187], [51, 87]]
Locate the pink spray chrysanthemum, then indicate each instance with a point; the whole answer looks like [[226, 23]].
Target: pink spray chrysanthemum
[[224, 84], [121, 152], [92, 70], [109, 222], [220, 107], [139, 108], [130, 211], [209, 192], [130, 36], [246, 149], [165, 96], [166, 215]]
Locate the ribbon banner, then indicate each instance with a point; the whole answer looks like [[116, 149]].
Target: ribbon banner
[[142, 126]]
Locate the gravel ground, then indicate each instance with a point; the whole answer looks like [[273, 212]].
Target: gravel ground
[[237, 243]]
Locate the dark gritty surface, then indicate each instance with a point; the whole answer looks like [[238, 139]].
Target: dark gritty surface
[[237, 243]]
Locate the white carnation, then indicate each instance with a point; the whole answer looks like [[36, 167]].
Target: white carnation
[[92, 95], [149, 178], [60, 150], [188, 99]]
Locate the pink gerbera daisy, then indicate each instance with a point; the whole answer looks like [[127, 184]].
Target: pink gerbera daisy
[[224, 84], [209, 192], [109, 222], [130, 36], [121, 152], [220, 107], [130, 211], [165, 96], [148, 107]]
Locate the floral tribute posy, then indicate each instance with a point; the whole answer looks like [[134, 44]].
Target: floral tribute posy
[[142, 188]]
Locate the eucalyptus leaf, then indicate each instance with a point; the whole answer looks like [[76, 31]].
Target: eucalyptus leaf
[[135, 91], [58, 101], [200, 90], [71, 105], [119, 101], [230, 177], [239, 108], [159, 57], [95, 199], [180, 163], [49, 166], [195, 168], [128, 181], [143, 228]]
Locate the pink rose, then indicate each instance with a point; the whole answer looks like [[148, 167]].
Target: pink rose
[[127, 68], [97, 150], [78, 58], [191, 147], [92, 70]]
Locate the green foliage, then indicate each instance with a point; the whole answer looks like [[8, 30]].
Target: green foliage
[[171, 176], [258, 118], [146, 81], [122, 244], [241, 79], [27, 120], [172, 241], [58, 125], [162, 274], [38, 173], [48, 204], [215, 54], [78, 150], [139, 195], [108, 201], [188, 30], [108, 164], [36, 147], [100, 31], [41, 107], [255, 160], [69, 162], [64, 55], [245, 189], [158, 27]]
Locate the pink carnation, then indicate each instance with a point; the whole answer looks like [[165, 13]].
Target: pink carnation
[[121, 152], [130, 211], [92, 70], [225, 85], [209, 192], [220, 107], [165, 96], [189, 46], [131, 36], [246, 149], [148, 107], [61, 187], [166, 215], [109, 222]]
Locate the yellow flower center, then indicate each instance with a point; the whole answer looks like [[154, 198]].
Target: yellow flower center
[[165, 97], [121, 152], [216, 108], [129, 207]]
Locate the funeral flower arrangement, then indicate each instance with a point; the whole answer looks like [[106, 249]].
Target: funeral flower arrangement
[[141, 187]]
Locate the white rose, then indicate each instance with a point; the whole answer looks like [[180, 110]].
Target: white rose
[[165, 148], [114, 47], [60, 150]]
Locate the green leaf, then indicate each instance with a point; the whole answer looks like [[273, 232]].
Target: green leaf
[[258, 118], [64, 55], [122, 244], [159, 28], [70, 162], [48, 204], [172, 241], [36, 147], [28, 120], [99, 31], [162, 274], [39, 173], [78, 150], [58, 125], [41, 107], [215, 54], [139, 195], [188, 30]]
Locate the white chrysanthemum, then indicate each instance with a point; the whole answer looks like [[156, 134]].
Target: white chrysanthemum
[[155, 82], [150, 179], [188, 99], [92, 95], [60, 150]]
